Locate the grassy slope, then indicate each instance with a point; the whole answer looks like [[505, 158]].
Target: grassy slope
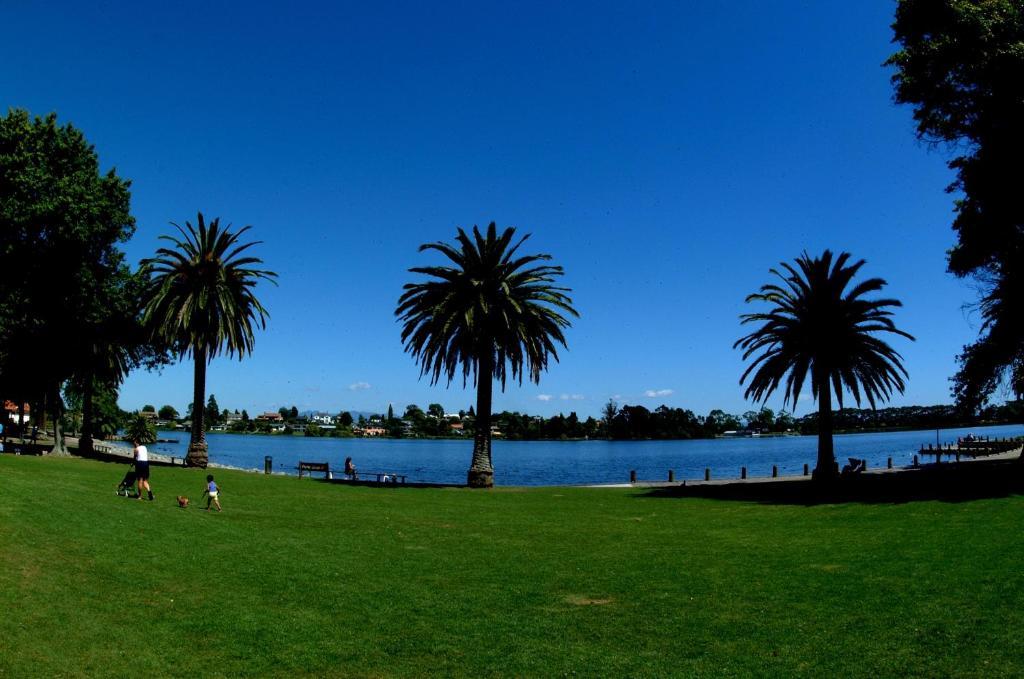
[[299, 577]]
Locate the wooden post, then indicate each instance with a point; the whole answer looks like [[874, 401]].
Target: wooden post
[[268, 464], [671, 476], [743, 472], [806, 469], [707, 473], [775, 471], [632, 476], [889, 464], [915, 462]]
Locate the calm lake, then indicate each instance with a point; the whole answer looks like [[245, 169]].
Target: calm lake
[[537, 463]]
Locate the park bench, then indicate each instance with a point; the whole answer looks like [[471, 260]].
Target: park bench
[[311, 467]]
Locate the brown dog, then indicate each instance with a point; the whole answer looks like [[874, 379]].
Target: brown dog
[[182, 501]]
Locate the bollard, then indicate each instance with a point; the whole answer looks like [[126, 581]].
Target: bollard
[[707, 473], [671, 476], [632, 476], [268, 464], [958, 457], [806, 469], [743, 472], [915, 462], [775, 471], [865, 464], [889, 463]]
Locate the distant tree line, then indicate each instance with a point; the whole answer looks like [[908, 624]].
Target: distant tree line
[[627, 422]]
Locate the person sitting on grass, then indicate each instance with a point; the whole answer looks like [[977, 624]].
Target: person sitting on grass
[[212, 491]]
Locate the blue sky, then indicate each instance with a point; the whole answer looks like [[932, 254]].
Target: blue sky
[[666, 154]]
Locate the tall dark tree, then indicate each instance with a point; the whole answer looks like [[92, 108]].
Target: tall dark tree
[[491, 314], [212, 413], [962, 68], [202, 302], [167, 412], [820, 324], [61, 221]]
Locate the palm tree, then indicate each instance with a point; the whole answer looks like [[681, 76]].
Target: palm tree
[[491, 314], [817, 326], [201, 302]]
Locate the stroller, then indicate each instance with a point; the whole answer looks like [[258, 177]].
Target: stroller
[[127, 485]]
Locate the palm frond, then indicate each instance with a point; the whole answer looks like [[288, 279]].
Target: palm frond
[[490, 302]]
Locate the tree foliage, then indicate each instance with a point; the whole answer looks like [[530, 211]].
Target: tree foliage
[[64, 309], [201, 302], [961, 66], [821, 325], [492, 314], [140, 429]]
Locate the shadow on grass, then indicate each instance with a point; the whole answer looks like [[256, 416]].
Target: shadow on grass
[[949, 482]]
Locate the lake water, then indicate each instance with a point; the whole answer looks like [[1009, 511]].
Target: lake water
[[535, 463]]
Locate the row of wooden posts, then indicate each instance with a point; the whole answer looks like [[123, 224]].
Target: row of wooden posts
[[743, 471]]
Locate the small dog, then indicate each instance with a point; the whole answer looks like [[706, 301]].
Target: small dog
[[182, 501]]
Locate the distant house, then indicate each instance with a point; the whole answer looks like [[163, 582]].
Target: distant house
[[11, 411], [457, 428], [320, 418], [235, 417], [270, 417], [369, 431]]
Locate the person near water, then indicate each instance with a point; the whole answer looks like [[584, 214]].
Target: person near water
[[350, 469], [141, 455]]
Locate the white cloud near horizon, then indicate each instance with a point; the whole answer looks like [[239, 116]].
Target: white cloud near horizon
[[572, 397], [359, 386], [544, 397], [655, 393]]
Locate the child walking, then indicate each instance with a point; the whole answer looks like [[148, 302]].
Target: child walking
[[212, 491]]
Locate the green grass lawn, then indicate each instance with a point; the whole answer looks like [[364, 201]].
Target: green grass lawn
[[307, 578]]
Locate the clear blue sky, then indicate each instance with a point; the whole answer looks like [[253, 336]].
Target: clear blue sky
[[667, 154]]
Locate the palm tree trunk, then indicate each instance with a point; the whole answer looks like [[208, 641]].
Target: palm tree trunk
[[198, 455], [826, 467], [481, 471]]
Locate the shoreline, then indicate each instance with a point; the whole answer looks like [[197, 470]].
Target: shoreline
[[123, 454]]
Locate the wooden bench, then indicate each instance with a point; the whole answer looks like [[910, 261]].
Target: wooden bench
[[310, 467]]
